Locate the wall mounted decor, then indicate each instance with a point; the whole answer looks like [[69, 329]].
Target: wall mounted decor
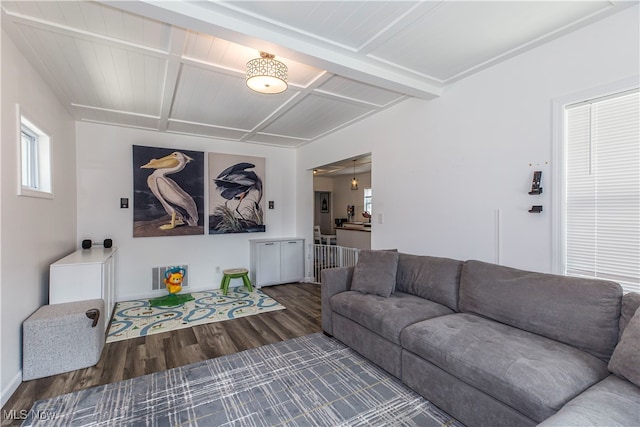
[[168, 196], [535, 183], [324, 202], [236, 188]]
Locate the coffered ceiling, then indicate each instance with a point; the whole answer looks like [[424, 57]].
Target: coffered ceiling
[[179, 66]]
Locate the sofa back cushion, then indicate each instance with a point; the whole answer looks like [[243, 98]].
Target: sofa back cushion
[[436, 279], [375, 272], [580, 312], [630, 304], [625, 361]]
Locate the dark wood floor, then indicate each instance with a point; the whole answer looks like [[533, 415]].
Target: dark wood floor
[[131, 358]]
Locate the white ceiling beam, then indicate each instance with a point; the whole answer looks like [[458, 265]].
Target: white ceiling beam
[[219, 21], [172, 75]]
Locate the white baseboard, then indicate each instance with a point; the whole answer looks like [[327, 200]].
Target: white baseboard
[[11, 388]]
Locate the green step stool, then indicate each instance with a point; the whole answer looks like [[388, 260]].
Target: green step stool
[[235, 273]]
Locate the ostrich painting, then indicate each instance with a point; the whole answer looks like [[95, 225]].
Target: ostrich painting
[[236, 194]]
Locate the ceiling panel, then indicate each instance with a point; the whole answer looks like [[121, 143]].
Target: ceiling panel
[[348, 23], [280, 140], [204, 96], [315, 115], [216, 51], [210, 131], [451, 38], [341, 86], [114, 117], [180, 66], [96, 18], [100, 75], [232, 56]]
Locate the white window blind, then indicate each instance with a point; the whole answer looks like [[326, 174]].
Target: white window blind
[[603, 189]]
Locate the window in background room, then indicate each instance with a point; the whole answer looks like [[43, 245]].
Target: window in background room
[[602, 193], [367, 200], [35, 164]]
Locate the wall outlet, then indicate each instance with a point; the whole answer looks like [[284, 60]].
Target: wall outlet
[[217, 269], [380, 218]]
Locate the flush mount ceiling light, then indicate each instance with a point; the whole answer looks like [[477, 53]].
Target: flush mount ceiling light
[[266, 75], [354, 181]]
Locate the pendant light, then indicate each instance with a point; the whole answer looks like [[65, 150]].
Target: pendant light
[[266, 74], [354, 181]]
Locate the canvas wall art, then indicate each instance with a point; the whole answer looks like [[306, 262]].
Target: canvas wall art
[[168, 197], [236, 188], [324, 202]]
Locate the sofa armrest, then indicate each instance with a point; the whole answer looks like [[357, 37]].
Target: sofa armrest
[[334, 281]]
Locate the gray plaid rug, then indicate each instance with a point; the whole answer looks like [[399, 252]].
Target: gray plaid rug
[[308, 381]]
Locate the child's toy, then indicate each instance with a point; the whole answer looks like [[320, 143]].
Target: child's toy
[[173, 278]]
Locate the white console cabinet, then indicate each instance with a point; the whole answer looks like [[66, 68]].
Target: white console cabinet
[[83, 275], [275, 261]]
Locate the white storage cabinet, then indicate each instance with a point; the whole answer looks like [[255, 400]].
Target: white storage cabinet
[[276, 261], [83, 275]]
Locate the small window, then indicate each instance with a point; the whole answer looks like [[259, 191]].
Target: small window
[[367, 200], [35, 163], [29, 153]]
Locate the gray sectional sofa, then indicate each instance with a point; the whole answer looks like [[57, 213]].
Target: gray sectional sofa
[[492, 345]]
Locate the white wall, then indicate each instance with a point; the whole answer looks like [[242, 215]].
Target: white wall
[[443, 169], [105, 175], [35, 232]]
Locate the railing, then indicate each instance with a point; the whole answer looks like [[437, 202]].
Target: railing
[[331, 256]]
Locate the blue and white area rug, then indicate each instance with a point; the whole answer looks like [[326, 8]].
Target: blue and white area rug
[[137, 318], [313, 380]]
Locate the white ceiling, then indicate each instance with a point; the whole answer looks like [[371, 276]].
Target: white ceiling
[[352, 166], [179, 66]]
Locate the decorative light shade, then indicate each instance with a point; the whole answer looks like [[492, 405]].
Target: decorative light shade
[[354, 181], [266, 75]]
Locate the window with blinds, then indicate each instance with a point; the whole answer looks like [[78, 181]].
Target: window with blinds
[[602, 210]]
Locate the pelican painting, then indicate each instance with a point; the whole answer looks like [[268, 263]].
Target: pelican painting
[[168, 200], [236, 189]]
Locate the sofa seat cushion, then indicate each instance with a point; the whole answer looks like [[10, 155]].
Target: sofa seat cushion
[[612, 402], [531, 373], [386, 317]]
